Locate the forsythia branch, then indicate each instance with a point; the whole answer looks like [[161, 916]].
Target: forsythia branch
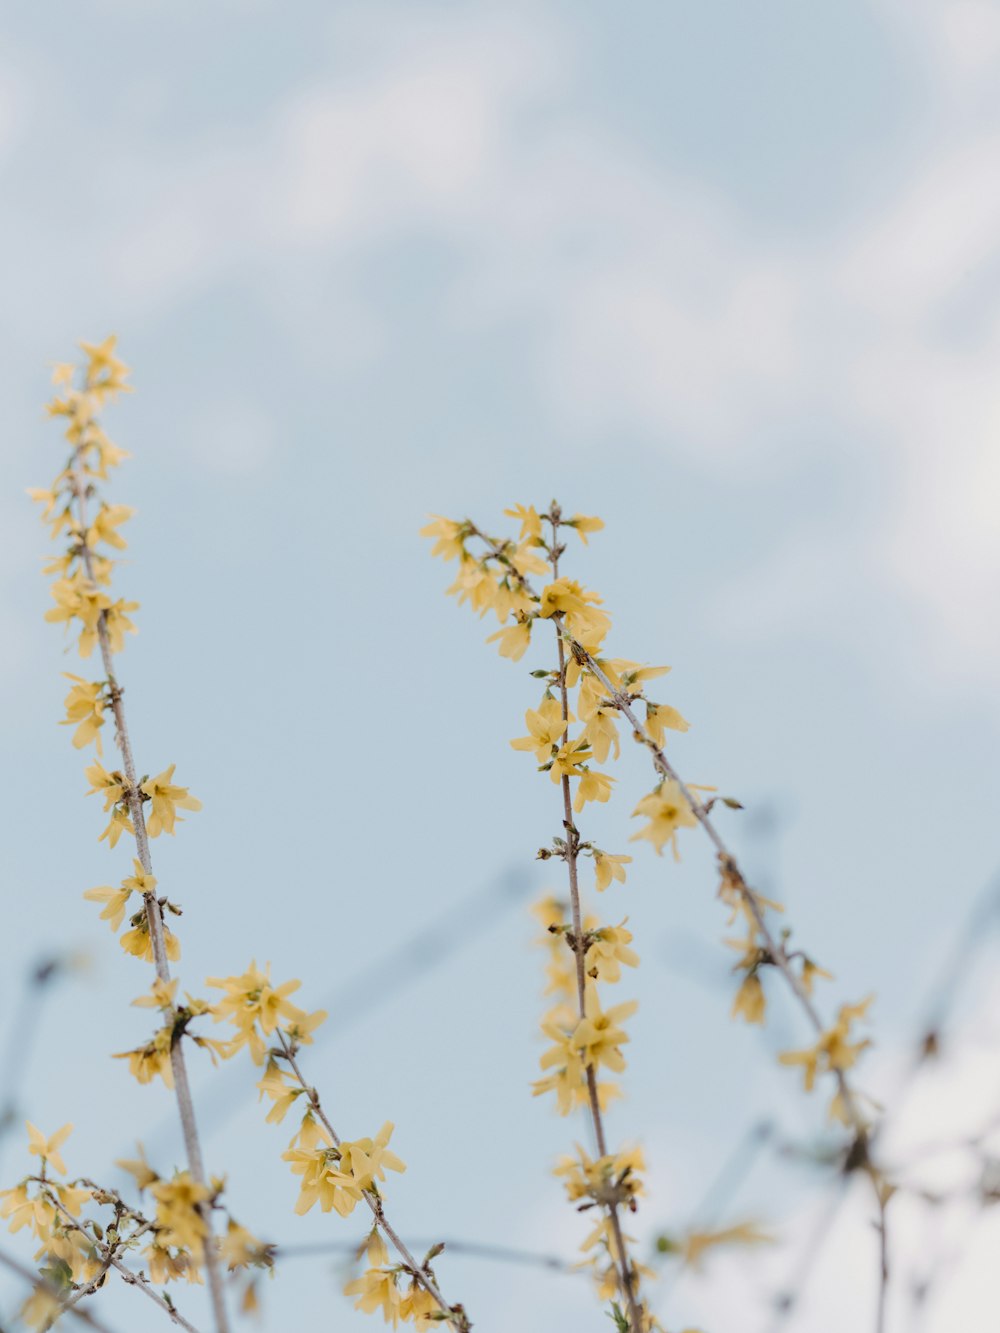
[[154, 916], [496, 579]]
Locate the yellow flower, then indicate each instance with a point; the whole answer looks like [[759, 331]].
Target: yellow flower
[[115, 901], [73, 1198], [578, 607], [48, 498], [117, 623], [177, 1211], [77, 1252], [300, 1026], [78, 598], [475, 584], [376, 1289], [545, 726], [667, 809], [139, 1169], [105, 373], [138, 941], [602, 734], [111, 784], [166, 1267], [145, 1062], [608, 951], [514, 640], [120, 823], [511, 600], [105, 526], [659, 717], [102, 452], [611, 1179], [337, 1177], [567, 760], [531, 523], [240, 1247], [41, 1309], [140, 881], [367, 1160], [449, 537], [114, 789], [810, 971], [85, 710], [593, 786], [161, 995], [166, 799], [526, 561], [584, 525], [833, 1050], [568, 1078], [608, 868], [282, 1095], [23, 1211], [696, 1243], [598, 1035], [252, 1001], [750, 1003], [420, 1307], [48, 1149], [631, 677]]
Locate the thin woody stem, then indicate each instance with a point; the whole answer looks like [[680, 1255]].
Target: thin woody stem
[[91, 1286], [622, 1262], [154, 916], [502, 1254], [456, 1316], [777, 951], [40, 1284], [110, 1259]]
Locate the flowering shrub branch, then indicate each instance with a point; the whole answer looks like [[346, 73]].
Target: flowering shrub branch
[[493, 575], [79, 1248], [80, 594]]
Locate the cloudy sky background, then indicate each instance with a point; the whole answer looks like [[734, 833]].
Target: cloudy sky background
[[726, 274]]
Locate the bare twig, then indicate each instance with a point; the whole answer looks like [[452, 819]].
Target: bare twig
[[22, 1034], [621, 1258], [40, 1284], [130, 1276], [501, 1254], [456, 1315]]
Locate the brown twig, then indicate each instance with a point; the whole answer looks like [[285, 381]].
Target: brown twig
[[154, 917], [40, 1284], [456, 1315], [622, 1263], [130, 1276]]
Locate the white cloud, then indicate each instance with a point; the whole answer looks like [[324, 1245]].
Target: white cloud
[[651, 308]]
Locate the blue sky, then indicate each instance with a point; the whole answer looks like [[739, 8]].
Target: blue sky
[[723, 274]]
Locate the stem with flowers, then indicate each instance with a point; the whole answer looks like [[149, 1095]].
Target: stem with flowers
[[81, 1248], [495, 577]]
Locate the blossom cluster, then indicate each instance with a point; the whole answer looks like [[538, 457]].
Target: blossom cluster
[[177, 1241], [573, 734]]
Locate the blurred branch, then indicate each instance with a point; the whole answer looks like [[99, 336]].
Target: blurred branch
[[725, 1185], [40, 1284], [22, 1034], [477, 1250], [787, 1301]]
